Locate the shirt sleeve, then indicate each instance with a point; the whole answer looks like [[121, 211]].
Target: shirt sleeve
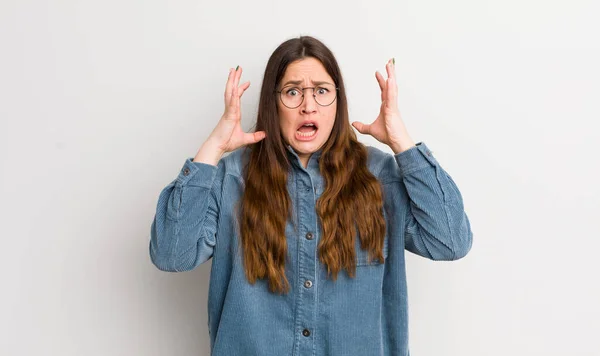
[[436, 224], [183, 232]]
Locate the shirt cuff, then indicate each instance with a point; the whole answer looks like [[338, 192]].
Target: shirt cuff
[[415, 158], [197, 174]]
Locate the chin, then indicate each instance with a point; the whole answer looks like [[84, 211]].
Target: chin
[[306, 148]]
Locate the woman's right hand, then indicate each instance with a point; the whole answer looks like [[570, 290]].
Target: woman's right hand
[[228, 134]]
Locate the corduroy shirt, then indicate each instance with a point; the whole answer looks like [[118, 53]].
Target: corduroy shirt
[[366, 315]]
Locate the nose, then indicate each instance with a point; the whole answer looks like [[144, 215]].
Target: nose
[[309, 104]]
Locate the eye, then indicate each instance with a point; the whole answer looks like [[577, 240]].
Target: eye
[[292, 90], [325, 90]]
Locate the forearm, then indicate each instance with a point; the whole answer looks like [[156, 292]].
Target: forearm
[[437, 227], [187, 211]]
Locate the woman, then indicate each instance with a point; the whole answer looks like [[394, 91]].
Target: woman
[[306, 226]]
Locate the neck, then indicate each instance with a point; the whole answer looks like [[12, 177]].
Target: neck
[[304, 160]]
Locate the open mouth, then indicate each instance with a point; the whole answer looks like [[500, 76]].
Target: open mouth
[[307, 130]]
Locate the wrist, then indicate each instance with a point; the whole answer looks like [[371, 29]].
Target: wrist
[[400, 146], [214, 145], [209, 153]]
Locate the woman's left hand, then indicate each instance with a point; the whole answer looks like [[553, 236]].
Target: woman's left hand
[[388, 127]]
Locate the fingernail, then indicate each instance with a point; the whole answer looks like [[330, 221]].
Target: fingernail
[[394, 61], [236, 68]]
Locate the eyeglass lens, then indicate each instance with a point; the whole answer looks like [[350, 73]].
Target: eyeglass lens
[[292, 97]]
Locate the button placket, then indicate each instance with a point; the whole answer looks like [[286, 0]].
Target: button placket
[[307, 265]]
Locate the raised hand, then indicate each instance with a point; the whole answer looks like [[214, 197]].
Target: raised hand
[[228, 134], [388, 127]]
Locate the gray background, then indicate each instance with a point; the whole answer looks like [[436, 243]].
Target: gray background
[[102, 101]]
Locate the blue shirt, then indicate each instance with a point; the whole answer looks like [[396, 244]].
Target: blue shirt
[[365, 315]]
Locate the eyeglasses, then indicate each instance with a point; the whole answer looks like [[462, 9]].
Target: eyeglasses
[[292, 96]]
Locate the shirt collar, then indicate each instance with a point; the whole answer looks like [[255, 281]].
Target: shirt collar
[[313, 161]]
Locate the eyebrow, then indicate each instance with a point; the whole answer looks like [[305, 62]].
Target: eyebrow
[[296, 82]]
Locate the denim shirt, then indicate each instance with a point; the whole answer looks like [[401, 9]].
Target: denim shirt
[[366, 315]]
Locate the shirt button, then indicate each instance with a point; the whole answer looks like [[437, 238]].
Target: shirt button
[[308, 189], [306, 332], [309, 236], [186, 171], [308, 283]]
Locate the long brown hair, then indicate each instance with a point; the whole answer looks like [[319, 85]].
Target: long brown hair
[[351, 201]]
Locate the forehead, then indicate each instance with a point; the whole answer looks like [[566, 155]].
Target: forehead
[[308, 70]]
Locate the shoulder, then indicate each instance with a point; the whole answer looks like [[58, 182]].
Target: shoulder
[[382, 164]]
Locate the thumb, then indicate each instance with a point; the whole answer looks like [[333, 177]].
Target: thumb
[[254, 137], [362, 128]]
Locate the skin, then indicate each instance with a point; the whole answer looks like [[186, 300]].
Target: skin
[[388, 127], [307, 70]]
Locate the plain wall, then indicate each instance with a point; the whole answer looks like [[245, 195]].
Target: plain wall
[[102, 101]]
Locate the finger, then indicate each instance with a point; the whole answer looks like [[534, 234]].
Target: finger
[[237, 94], [233, 82], [380, 80], [362, 128], [388, 91], [243, 88], [391, 70], [229, 85], [235, 99], [253, 137], [389, 67], [382, 84], [238, 74], [392, 93], [394, 79]]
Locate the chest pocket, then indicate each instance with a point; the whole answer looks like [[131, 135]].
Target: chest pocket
[[362, 256]]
